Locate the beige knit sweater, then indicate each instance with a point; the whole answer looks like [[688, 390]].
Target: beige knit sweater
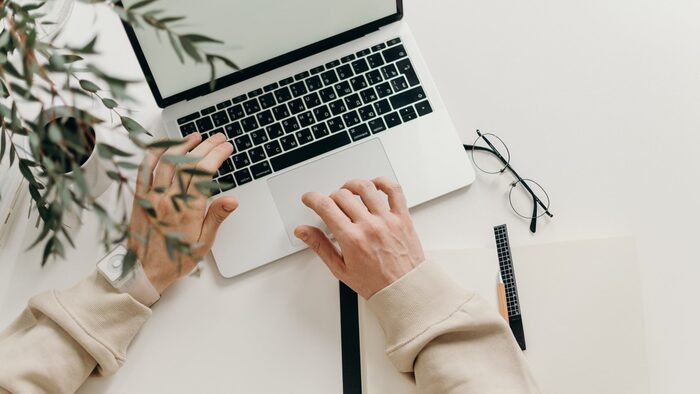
[[447, 336]]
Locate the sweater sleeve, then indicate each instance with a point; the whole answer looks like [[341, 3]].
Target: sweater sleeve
[[449, 337], [63, 336]]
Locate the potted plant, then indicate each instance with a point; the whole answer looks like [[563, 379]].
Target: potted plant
[[51, 145]]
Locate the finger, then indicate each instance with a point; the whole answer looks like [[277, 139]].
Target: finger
[[315, 239], [350, 204], [200, 152], [165, 170], [327, 210], [144, 178], [218, 211], [374, 200], [397, 200], [210, 163]]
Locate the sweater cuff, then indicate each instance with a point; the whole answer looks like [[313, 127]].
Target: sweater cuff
[[418, 300], [101, 320]]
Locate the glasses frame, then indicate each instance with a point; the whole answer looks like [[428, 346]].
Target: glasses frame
[[518, 179]]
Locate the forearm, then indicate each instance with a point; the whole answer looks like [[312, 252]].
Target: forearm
[[62, 336], [449, 337]]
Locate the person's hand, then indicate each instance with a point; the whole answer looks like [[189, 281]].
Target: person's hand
[[196, 224], [378, 243]]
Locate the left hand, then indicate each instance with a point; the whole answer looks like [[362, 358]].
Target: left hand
[[197, 224]]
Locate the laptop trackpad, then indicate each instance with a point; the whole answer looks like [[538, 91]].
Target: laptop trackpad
[[365, 161]]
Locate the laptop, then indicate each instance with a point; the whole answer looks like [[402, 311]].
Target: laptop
[[327, 91]]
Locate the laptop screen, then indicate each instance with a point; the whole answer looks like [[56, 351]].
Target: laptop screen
[[253, 31]]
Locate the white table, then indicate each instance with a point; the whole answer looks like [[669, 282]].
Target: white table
[[597, 100]]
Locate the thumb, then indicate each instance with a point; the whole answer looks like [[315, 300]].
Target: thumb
[[218, 211], [317, 240]]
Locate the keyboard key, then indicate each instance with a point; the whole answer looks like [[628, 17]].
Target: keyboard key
[[333, 64], [376, 125], [347, 58], [273, 148], [336, 124], [327, 94], [367, 113], [363, 52], [220, 118], [408, 114], [271, 87], [240, 160], [306, 119], [283, 95], [242, 177], [257, 154], [265, 118], [337, 107], [312, 100], [375, 60], [251, 106], [314, 83], [290, 125], [274, 131], [408, 97], [384, 90], [286, 81], [260, 170], [374, 77], [224, 104], [233, 130], [423, 108], [301, 76], [358, 83], [389, 71], [243, 143], [406, 68], [317, 70], [343, 89], [320, 130], [394, 53], [188, 118], [359, 132], [329, 77], [288, 142], [394, 41], [188, 129], [239, 99], [249, 124], [209, 110], [368, 95], [351, 118], [255, 93], [280, 112], [378, 47], [309, 151], [226, 167], [322, 113], [399, 84], [392, 119], [353, 101], [267, 101], [204, 124], [296, 106], [227, 183], [344, 71], [258, 137], [304, 136], [236, 112], [298, 89], [382, 107], [360, 66]]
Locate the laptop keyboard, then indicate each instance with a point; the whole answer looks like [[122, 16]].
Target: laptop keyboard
[[314, 112]]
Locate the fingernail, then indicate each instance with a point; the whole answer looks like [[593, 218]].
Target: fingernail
[[302, 235], [229, 207]]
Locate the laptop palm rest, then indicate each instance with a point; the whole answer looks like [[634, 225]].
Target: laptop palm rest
[[326, 175]]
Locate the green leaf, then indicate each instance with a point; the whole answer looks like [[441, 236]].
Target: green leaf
[[128, 263], [108, 151], [140, 4], [164, 144], [207, 187], [226, 61], [109, 103], [26, 172], [147, 205], [48, 250], [190, 49], [198, 38], [132, 126], [3, 144], [176, 47], [89, 86], [179, 159], [195, 172], [114, 176], [127, 165]]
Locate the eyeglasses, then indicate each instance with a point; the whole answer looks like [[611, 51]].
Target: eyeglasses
[[528, 198]]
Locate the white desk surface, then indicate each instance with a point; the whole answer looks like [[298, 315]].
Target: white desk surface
[[598, 100]]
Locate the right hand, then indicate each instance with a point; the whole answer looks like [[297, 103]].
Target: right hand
[[378, 243]]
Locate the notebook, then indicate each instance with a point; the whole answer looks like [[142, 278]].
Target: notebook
[[582, 314]]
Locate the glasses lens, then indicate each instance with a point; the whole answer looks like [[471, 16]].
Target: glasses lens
[[523, 197], [493, 161]]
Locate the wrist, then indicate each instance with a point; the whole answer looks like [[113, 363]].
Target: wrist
[[160, 279]]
